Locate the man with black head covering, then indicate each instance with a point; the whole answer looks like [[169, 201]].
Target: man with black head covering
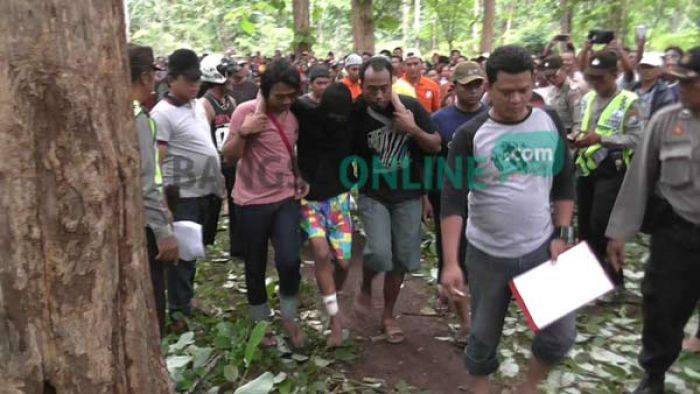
[[190, 161], [325, 141]]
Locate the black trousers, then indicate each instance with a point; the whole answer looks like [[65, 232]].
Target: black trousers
[[181, 276], [596, 195], [157, 278], [434, 198], [234, 235], [278, 222], [670, 290]]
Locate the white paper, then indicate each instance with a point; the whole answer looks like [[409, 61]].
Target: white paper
[[189, 239], [551, 291]]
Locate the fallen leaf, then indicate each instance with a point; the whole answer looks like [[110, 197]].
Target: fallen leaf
[[263, 384]]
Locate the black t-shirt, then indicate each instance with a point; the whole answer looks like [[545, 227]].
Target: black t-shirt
[[245, 91], [391, 167], [322, 146]]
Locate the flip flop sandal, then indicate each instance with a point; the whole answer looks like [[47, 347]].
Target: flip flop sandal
[[394, 333]]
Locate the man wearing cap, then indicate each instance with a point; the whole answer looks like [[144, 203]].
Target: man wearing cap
[[191, 162], [469, 85], [653, 92], [562, 95], [162, 246], [427, 91], [661, 195], [352, 81], [319, 79], [611, 127], [242, 88]]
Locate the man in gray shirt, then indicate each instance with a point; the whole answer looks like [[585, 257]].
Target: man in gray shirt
[[517, 167], [661, 194]]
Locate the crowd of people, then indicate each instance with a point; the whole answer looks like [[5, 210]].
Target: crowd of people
[[287, 142]]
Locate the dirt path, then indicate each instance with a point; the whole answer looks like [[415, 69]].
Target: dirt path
[[421, 361]]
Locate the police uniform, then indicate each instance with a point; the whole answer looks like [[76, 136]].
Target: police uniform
[[157, 217], [662, 193], [565, 100], [601, 167]]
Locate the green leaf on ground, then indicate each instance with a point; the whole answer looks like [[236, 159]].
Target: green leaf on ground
[[263, 384], [231, 373], [254, 341]]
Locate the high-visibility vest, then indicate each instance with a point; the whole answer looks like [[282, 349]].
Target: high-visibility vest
[[611, 122], [140, 110]]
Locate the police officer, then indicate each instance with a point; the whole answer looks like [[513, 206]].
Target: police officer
[[563, 95], [610, 129], [162, 246], [664, 182]]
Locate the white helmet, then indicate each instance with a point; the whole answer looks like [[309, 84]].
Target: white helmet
[[209, 66], [353, 59]]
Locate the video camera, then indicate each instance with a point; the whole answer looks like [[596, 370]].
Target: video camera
[[228, 67], [601, 36]]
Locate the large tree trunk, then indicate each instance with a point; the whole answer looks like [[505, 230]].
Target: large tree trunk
[[416, 23], [405, 21], [487, 30], [76, 303], [302, 31], [566, 16], [362, 26]]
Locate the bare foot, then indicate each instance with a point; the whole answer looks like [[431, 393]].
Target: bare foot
[[269, 339], [335, 339], [295, 333], [362, 305], [692, 345]]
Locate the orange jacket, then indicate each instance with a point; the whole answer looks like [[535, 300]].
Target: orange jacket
[[355, 88], [427, 93]]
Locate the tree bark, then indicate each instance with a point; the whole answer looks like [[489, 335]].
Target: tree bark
[[362, 26], [416, 23], [405, 21], [487, 30], [302, 30], [76, 305], [566, 16]]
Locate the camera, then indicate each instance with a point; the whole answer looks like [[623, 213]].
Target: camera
[[228, 67], [601, 36]]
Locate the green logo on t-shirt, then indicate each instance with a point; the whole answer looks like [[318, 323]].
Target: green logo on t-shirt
[[535, 153]]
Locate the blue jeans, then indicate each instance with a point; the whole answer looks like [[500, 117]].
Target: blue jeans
[[490, 296], [257, 224], [393, 234]]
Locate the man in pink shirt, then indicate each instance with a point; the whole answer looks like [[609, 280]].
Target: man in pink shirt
[[267, 192]]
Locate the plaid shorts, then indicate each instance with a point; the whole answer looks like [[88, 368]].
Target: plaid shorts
[[330, 219]]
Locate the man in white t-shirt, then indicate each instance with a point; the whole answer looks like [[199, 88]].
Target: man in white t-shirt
[[190, 161]]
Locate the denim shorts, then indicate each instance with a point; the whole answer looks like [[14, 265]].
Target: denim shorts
[[393, 234]]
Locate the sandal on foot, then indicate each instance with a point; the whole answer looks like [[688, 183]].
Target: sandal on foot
[[394, 334]]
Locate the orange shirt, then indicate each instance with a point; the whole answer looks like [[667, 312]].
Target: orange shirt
[[427, 93], [355, 88]]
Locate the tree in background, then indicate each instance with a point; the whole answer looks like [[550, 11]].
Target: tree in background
[[303, 39], [487, 29], [362, 26], [76, 304]]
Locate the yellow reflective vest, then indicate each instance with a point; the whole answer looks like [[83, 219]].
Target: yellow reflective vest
[[138, 111], [611, 122]]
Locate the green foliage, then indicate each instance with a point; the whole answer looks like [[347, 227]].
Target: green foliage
[[265, 25]]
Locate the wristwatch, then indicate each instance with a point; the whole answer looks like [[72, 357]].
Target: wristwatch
[[565, 233]]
